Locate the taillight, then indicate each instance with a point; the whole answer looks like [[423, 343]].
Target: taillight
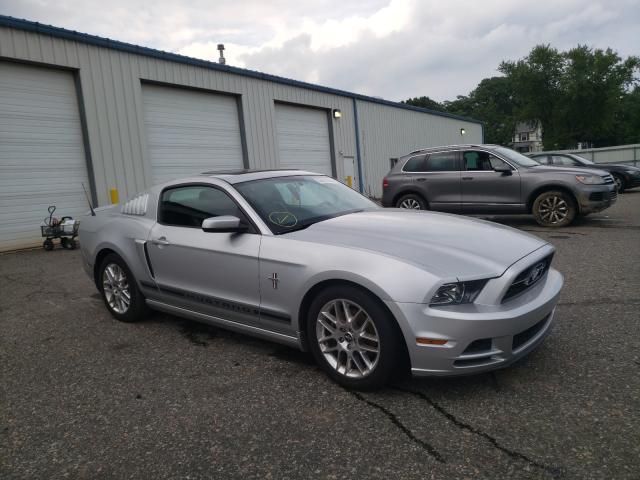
[[385, 183]]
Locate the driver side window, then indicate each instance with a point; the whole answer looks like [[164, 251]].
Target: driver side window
[[480, 161], [188, 206]]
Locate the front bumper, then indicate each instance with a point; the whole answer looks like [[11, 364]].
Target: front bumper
[[595, 198], [479, 337]]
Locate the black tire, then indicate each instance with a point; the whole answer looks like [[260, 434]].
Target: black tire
[[620, 186], [554, 208], [391, 350], [47, 245], [68, 243], [137, 307], [411, 201]]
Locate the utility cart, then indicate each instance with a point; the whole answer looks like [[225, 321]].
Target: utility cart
[[65, 228]]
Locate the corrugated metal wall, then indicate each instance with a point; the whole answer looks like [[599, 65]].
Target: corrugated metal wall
[[387, 132], [110, 82]]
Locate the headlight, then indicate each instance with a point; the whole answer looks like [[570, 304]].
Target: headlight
[[590, 179], [457, 293]]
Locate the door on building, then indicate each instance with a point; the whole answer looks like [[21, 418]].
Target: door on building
[[189, 132], [42, 156], [303, 138], [350, 172]]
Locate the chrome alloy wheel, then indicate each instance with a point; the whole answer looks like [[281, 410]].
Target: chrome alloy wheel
[[348, 338], [553, 209], [116, 288], [618, 182], [410, 203]]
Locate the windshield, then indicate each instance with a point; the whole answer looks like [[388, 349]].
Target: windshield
[[287, 204], [583, 160], [516, 157]]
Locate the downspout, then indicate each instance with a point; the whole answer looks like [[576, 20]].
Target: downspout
[[358, 159]]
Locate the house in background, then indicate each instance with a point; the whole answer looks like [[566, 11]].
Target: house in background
[[528, 137]]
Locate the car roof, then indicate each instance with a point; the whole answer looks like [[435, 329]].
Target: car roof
[[247, 175], [453, 147]]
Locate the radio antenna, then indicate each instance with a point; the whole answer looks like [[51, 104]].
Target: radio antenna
[[93, 212]]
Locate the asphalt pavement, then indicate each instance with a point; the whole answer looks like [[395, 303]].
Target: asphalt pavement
[[85, 396]]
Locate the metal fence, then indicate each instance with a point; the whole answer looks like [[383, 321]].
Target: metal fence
[[629, 154]]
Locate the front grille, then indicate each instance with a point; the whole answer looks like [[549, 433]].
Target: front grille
[[526, 335], [528, 278], [608, 179], [597, 196], [602, 196]]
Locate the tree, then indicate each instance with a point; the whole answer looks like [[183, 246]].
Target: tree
[[576, 95], [425, 102], [536, 87], [581, 95], [491, 102]]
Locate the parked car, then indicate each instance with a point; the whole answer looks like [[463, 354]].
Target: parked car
[[625, 176], [301, 259], [489, 179]]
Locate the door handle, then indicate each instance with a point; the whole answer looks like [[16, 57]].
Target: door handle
[[162, 241], [421, 180], [467, 178]]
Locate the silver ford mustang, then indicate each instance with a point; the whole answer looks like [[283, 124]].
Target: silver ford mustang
[[301, 259]]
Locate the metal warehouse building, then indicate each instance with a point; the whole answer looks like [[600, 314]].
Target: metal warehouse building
[[77, 108]]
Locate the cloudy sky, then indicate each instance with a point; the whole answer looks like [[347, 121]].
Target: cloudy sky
[[393, 49]]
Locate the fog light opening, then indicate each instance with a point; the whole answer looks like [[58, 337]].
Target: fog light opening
[[431, 341]]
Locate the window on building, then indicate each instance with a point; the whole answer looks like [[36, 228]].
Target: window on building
[[189, 206], [524, 137]]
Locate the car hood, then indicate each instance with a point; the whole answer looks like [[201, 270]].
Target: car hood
[[621, 166], [443, 244], [574, 170]]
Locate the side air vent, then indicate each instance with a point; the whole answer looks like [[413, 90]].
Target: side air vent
[[137, 205]]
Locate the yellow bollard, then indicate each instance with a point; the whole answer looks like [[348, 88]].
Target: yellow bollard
[[113, 193], [349, 180]]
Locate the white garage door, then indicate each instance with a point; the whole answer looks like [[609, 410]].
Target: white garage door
[[189, 132], [303, 138], [42, 159]]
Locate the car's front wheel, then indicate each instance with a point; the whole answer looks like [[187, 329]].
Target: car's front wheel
[[554, 209], [411, 201], [619, 183], [120, 291], [352, 337]]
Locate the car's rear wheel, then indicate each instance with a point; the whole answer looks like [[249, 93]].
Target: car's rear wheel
[[352, 337], [411, 201], [619, 182], [120, 291], [554, 209]]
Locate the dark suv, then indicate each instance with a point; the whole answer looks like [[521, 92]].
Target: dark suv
[[625, 176], [489, 179]]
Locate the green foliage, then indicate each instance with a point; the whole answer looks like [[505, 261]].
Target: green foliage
[[425, 102], [581, 95]]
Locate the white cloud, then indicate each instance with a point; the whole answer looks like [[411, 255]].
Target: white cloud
[[389, 48]]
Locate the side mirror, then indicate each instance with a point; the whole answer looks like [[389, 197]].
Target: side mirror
[[504, 169], [224, 224]]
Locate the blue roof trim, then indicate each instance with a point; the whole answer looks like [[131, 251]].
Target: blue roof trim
[[30, 26]]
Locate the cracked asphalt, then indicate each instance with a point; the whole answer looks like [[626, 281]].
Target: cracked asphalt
[[84, 396]]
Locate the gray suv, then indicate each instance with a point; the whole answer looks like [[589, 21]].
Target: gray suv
[[490, 179]]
